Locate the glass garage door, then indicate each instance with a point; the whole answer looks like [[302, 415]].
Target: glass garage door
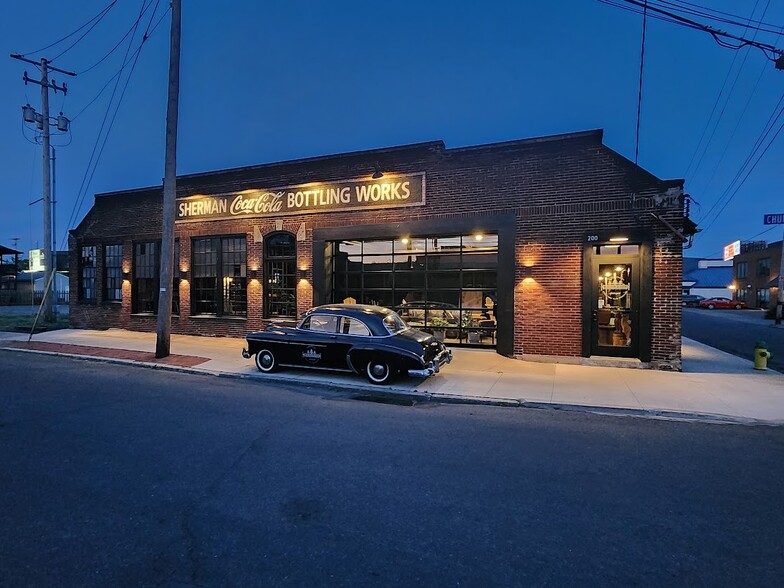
[[442, 285]]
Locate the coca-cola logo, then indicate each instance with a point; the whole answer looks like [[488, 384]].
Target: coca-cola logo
[[262, 203]]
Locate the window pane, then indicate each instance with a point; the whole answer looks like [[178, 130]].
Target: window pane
[[280, 279], [204, 295], [112, 260], [350, 326], [88, 267], [326, 323], [234, 272]]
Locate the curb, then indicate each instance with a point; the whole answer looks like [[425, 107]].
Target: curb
[[392, 395]]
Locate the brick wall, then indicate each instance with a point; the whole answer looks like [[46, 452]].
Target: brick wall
[[557, 190]]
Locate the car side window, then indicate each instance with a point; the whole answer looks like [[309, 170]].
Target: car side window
[[350, 326], [325, 323]]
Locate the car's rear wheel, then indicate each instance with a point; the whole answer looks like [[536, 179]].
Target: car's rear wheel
[[265, 361], [711, 306], [379, 371], [738, 306]]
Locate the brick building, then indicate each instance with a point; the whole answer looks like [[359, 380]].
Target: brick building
[[553, 247], [756, 271]]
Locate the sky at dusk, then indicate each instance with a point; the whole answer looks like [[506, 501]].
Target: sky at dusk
[[270, 81]]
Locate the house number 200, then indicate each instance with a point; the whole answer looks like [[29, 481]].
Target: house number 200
[[593, 238]]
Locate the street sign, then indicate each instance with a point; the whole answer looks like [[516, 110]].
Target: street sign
[[774, 219]]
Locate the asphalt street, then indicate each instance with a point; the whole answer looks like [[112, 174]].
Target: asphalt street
[[735, 331], [124, 476]]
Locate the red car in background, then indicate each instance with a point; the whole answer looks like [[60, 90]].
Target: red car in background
[[718, 302]]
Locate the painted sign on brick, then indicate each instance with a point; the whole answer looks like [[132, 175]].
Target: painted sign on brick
[[387, 192]]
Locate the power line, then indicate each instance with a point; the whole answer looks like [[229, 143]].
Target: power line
[[93, 162], [711, 14], [771, 52], [757, 144], [726, 102], [98, 16], [737, 124], [113, 49], [748, 173], [639, 90]]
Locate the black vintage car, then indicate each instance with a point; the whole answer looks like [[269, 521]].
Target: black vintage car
[[369, 340]]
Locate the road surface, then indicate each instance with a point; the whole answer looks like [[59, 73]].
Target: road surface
[[125, 476]]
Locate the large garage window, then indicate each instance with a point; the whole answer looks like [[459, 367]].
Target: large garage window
[[280, 276], [146, 277], [446, 285], [219, 276]]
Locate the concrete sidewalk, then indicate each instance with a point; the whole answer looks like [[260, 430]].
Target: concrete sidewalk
[[714, 385]]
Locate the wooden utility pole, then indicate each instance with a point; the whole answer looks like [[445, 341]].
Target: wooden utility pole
[[163, 341], [43, 123]]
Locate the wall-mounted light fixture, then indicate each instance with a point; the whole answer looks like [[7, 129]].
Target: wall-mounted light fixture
[[378, 174], [183, 274], [253, 274], [619, 239], [302, 273], [528, 274], [126, 276], [732, 287]]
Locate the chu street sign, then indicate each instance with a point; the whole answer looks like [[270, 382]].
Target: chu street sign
[[774, 219]]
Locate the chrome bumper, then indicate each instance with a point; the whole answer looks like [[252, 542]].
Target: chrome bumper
[[434, 366], [245, 353]]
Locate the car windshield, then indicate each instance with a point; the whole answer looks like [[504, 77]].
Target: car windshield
[[394, 323]]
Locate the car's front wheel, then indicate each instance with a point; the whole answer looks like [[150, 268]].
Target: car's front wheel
[[265, 361], [379, 371], [738, 306], [711, 306]]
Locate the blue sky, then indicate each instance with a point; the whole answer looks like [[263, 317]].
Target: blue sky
[[269, 81]]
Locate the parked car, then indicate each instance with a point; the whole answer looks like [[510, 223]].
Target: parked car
[[369, 340], [718, 302], [692, 299]]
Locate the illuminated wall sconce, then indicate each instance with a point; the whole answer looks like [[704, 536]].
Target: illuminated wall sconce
[[253, 274], [732, 287], [183, 274], [302, 273], [619, 239], [377, 174], [528, 272], [127, 276]]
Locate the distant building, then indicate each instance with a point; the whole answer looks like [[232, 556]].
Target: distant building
[[707, 277], [756, 272]]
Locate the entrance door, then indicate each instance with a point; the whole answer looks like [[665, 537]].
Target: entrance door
[[615, 306]]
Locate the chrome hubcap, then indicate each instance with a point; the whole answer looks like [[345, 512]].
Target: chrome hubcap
[[378, 370]]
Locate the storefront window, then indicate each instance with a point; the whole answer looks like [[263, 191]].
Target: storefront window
[[112, 274], [219, 276], [763, 297], [445, 285], [146, 277], [280, 273], [87, 267], [763, 266]]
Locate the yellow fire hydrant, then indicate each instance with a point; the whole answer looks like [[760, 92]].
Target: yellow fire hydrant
[[761, 355]]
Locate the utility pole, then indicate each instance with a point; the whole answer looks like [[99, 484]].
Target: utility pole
[[163, 341], [43, 121], [53, 285]]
